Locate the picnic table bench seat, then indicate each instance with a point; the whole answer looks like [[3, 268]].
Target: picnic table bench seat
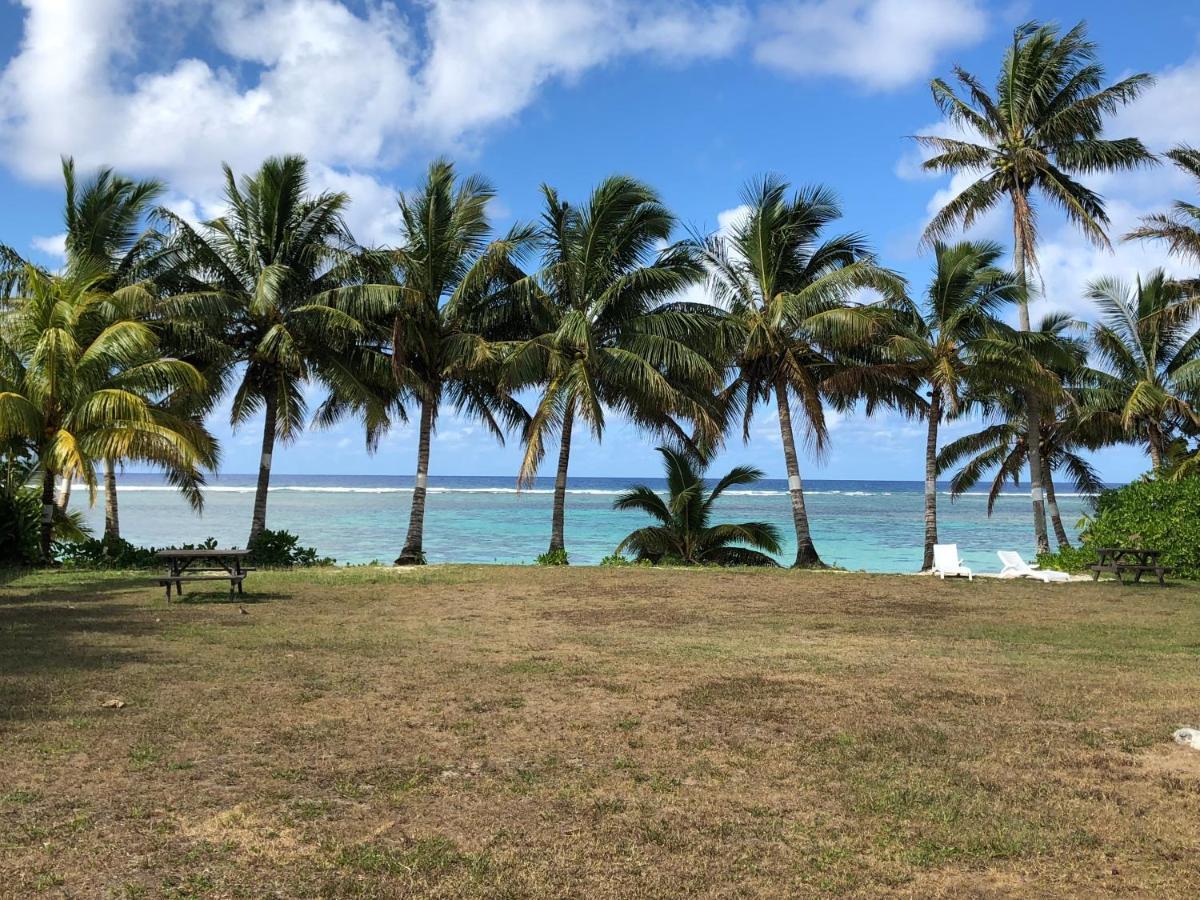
[[202, 564], [1136, 561]]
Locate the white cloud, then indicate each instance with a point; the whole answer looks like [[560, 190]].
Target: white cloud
[[880, 44], [349, 90], [52, 245]]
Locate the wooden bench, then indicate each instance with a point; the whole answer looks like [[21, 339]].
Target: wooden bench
[[182, 565], [1120, 560], [235, 581]]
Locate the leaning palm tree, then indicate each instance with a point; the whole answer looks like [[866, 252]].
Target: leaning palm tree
[[1040, 131], [82, 383], [1180, 228], [1148, 351], [611, 338], [788, 296], [952, 341], [450, 314], [685, 533], [269, 296]]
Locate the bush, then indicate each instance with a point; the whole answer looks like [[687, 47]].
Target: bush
[[553, 558], [1068, 559], [279, 550], [1154, 514], [20, 519], [107, 553], [616, 560]]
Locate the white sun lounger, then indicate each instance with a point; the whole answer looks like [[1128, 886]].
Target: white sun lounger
[[1016, 567], [946, 562]]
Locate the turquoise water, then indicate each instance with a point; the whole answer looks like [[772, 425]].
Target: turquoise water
[[871, 525]]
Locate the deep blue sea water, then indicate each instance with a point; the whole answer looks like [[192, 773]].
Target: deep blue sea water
[[871, 525]]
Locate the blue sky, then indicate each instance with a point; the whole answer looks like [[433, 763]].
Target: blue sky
[[693, 97]]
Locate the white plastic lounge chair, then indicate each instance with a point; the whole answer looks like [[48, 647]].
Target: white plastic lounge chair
[[1016, 567], [946, 562]]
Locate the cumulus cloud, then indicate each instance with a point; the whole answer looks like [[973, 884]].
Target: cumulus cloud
[[311, 76], [52, 245], [879, 44]]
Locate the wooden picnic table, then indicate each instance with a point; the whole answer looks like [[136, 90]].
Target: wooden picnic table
[[1119, 560], [207, 560]]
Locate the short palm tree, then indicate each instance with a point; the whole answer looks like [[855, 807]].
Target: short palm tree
[[1180, 228], [789, 299], [1148, 352], [82, 383], [952, 341], [1034, 137], [610, 337], [685, 533], [270, 297], [450, 313]]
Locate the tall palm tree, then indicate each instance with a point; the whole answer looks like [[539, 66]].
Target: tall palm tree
[[104, 217], [1180, 228], [270, 296], [1034, 137], [450, 314], [788, 297], [82, 382], [952, 341], [1148, 349], [685, 532], [610, 337]]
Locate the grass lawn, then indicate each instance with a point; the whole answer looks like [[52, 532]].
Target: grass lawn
[[493, 731]]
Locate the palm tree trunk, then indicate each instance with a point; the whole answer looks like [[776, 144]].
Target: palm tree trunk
[[1033, 416], [1060, 533], [413, 553], [1154, 441], [112, 521], [47, 530], [64, 496], [258, 521], [931, 439], [557, 519], [806, 553]]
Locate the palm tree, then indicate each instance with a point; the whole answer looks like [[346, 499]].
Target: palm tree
[[952, 341], [1149, 353], [82, 381], [269, 295], [103, 217], [1051, 361], [611, 339], [685, 533], [451, 310], [1180, 228], [787, 295], [1039, 132]]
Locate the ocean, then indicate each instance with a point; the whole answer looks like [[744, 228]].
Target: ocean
[[875, 526]]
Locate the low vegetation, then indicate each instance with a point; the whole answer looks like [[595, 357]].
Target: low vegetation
[[493, 732]]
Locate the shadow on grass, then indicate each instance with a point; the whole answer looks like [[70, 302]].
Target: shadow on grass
[[44, 647]]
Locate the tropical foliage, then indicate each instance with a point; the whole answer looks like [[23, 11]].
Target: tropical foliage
[[797, 332], [1033, 138], [685, 533]]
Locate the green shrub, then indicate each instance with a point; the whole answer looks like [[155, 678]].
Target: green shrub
[[107, 553], [20, 520], [553, 558], [280, 550], [1153, 514], [616, 560]]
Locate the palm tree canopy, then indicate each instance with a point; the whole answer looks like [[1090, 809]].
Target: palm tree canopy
[[685, 531], [1180, 228], [452, 308], [1148, 349], [611, 337], [270, 296], [790, 297], [83, 380], [1038, 132]]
